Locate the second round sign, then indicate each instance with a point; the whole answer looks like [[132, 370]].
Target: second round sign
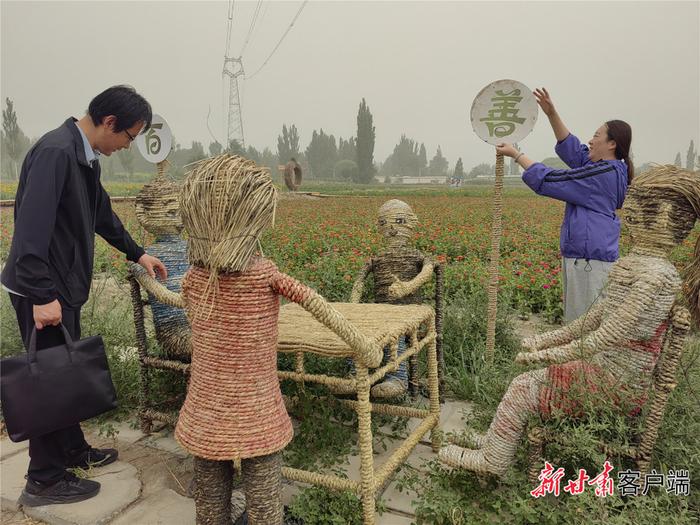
[[155, 143]]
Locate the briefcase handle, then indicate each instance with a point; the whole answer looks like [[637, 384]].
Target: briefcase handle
[[31, 351]]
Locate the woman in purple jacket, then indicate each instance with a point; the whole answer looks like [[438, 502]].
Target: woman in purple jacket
[[593, 189]]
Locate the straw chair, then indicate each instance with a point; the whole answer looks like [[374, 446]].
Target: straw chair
[[664, 381], [149, 361], [413, 382]]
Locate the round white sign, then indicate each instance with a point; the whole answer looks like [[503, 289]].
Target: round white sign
[[504, 111], [155, 143]]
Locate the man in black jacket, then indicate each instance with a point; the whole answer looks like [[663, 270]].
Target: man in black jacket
[[59, 206]]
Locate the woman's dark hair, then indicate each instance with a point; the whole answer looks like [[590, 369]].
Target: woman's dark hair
[[124, 103], [621, 133]]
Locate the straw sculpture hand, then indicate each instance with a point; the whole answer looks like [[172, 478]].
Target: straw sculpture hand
[[401, 289], [574, 330], [156, 289], [359, 285], [610, 334]]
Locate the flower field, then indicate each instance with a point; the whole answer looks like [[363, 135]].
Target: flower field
[[324, 242]]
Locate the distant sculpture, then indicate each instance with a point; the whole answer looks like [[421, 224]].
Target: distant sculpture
[[234, 407], [613, 349], [399, 273], [292, 174]]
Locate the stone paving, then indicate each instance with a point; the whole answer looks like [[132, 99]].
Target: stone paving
[[148, 485]]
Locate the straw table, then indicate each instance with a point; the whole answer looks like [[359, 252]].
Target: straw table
[[383, 324]]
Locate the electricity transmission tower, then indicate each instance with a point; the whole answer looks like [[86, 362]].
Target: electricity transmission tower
[[233, 68]]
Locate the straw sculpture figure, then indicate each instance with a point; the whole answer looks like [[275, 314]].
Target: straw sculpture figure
[[292, 175], [234, 407], [399, 273], [158, 211], [611, 351]]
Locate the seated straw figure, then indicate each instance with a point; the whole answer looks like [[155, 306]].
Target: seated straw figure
[[157, 210], [614, 348], [234, 407], [399, 272]]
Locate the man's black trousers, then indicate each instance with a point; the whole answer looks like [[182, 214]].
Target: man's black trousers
[[49, 453]]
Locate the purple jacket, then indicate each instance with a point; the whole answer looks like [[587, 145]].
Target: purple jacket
[[592, 192]]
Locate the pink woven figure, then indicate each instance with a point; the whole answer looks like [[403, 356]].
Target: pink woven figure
[[234, 408], [613, 349]]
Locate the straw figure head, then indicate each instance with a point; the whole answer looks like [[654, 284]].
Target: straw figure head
[[157, 207], [396, 222], [226, 203], [660, 211]]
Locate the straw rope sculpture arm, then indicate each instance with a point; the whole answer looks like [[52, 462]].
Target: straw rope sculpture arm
[[156, 289], [574, 330], [359, 285], [401, 289], [612, 332], [368, 353]]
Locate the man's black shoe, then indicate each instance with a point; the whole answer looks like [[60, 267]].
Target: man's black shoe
[[93, 457], [70, 489]]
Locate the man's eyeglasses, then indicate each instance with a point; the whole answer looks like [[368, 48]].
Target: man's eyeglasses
[[131, 137]]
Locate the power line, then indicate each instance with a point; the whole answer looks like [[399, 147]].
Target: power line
[[281, 39], [252, 26], [231, 7]]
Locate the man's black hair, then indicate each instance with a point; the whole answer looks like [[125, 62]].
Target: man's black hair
[[124, 103]]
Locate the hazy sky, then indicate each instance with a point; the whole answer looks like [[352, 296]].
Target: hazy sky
[[419, 65]]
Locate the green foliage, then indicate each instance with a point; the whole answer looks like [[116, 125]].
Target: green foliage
[[690, 157], [14, 142], [347, 149], [325, 432], [197, 151], [365, 144], [459, 497], [407, 159], [438, 164], [320, 506], [10, 340], [253, 154], [459, 170], [235, 148], [321, 154], [677, 161], [288, 144], [464, 343], [126, 159], [345, 170], [215, 148], [482, 170]]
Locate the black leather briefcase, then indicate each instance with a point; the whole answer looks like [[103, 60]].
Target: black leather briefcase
[[55, 387]]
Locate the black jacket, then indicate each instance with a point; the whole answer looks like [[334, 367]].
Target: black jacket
[[59, 206]]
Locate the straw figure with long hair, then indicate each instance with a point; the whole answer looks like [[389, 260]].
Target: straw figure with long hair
[[234, 407], [158, 212], [399, 272], [614, 348]]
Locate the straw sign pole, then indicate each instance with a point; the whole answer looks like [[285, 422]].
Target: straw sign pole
[[496, 229], [504, 111]]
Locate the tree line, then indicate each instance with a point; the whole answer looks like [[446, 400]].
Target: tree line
[[324, 158]]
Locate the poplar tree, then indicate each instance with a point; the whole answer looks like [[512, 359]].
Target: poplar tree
[[365, 144]]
